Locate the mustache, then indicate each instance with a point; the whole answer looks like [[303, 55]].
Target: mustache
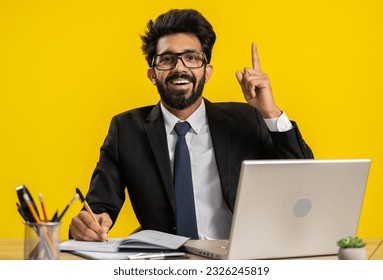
[[180, 76]]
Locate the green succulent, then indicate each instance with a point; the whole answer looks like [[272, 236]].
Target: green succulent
[[351, 242]]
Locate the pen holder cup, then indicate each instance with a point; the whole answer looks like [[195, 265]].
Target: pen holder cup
[[42, 241]]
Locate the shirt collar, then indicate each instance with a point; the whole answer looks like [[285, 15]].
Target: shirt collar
[[196, 120]]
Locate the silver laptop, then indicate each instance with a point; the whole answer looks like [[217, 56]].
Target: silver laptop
[[291, 208]]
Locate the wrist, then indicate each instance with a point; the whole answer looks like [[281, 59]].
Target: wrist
[[271, 114]]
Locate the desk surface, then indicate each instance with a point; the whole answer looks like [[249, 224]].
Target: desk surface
[[12, 249]]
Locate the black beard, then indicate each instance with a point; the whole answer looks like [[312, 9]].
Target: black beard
[[176, 99]]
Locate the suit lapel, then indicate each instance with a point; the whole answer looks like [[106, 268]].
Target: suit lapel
[[155, 130], [220, 136]]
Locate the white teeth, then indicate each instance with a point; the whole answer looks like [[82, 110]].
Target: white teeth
[[180, 82]]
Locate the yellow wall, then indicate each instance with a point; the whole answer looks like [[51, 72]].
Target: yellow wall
[[66, 67]]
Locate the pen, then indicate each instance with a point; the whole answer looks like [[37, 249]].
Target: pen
[[21, 190], [43, 207], [154, 256], [67, 207], [21, 211], [146, 256], [31, 208], [54, 218], [82, 199]]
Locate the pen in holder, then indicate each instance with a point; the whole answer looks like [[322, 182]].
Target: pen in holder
[[42, 241]]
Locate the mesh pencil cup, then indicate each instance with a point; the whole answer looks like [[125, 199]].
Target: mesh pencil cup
[[42, 241]]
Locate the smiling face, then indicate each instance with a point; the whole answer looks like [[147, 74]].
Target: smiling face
[[180, 87]]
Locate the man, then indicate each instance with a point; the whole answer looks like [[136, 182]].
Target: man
[[139, 150]]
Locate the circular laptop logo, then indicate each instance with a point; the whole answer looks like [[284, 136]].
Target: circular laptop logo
[[302, 207]]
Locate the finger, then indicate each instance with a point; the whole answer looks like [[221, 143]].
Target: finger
[[255, 58], [106, 224], [91, 229], [251, 89], [247, 72], [239, 76], [252, 72], [105, 220], [80, 231]]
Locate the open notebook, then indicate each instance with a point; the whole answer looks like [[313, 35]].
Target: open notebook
[[291, 208], [143, 244]]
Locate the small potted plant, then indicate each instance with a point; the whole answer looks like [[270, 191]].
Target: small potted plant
[[352, 248]]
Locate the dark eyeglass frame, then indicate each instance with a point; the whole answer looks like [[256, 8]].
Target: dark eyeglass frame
[[179, 56]]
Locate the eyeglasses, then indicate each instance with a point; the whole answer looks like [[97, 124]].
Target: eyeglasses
[[167, 61]]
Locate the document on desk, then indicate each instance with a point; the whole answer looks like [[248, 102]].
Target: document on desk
[[143, 240]]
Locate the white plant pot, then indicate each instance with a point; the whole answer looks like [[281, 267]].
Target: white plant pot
[[352, 253]]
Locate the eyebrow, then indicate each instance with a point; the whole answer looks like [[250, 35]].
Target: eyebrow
[[184, 51]]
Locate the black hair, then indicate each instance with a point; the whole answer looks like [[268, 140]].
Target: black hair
[[178, 21]]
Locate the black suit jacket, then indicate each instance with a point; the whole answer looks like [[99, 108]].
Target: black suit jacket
[[135, 156]]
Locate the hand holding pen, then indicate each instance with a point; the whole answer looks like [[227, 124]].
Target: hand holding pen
[[88, 226]]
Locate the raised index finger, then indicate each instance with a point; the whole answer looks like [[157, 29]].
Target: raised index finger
[[254, 54]]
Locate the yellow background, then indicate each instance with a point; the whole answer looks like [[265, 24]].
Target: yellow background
[[66, 67]]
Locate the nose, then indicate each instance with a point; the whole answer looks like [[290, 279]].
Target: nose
[[179, 64]]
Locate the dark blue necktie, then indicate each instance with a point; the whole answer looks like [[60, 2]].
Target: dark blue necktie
[[183, 185]]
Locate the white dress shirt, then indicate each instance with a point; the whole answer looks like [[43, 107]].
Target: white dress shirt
[[213, 215]]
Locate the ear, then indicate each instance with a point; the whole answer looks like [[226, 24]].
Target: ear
[[151, 75], [208, 72]]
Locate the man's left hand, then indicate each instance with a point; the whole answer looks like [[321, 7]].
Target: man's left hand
[[256, 88]]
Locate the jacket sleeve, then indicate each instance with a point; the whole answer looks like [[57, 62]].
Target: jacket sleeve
[[107, 192], [290, 144]]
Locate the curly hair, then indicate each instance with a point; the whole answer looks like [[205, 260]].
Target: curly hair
[[178, 21]]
